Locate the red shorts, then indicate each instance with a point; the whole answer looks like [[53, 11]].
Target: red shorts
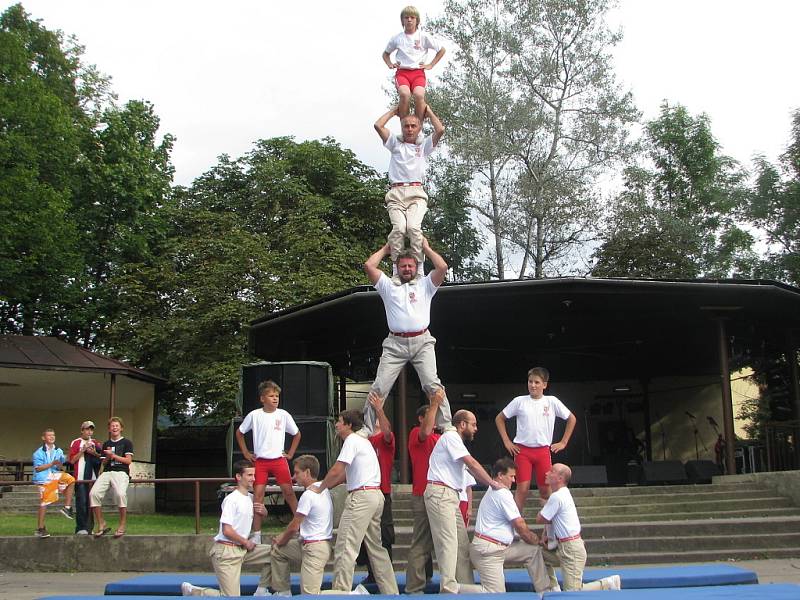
[[530, 460], [462, 506], [277, 467], [413, 78]]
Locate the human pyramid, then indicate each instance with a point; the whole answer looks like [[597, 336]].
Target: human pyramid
[[443, 469]]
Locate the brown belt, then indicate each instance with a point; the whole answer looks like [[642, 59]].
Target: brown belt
[[490, 539], [408, 334], [570, 538], [407, 184]]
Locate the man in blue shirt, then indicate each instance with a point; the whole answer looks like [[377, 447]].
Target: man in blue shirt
[[51, 479]]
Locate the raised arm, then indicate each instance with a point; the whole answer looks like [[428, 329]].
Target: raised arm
[[438, 127], [479, 473], [429, 420], [371, 266], [380, 124], [439, 266], [383, 421], [336, 475]]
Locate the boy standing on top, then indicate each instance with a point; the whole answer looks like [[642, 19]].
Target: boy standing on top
[[270, 426], [536, 417], [47, 473], [412, 47]]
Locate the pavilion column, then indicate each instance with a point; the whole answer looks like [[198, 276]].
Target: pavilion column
[[794, 383], [727, 398], [112, 397], [648, 423], [401, 418], [342, 393]]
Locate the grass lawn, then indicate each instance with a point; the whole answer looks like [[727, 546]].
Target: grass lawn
[[138, 524]]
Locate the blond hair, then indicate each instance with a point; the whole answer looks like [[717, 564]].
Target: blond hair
[[410, 11]]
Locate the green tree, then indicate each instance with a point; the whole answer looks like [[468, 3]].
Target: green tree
[[676, 219], [774, 208], [284, 224], [449, 221], [39, 146]]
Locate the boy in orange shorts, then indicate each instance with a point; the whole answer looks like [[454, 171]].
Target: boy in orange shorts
[[47, 463], [536, 417], [412, 47], [270, 426]]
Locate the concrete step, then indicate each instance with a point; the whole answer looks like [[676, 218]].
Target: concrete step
[[754, 553]]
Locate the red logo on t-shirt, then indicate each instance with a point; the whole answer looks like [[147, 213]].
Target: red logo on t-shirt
[[277, 423], [412, 297], [418, 150], [546, 410]]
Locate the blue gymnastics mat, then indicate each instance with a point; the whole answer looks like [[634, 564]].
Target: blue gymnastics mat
[[776, 591], [517, 580]]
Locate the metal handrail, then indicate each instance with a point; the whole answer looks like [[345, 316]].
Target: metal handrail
[[196, 480]]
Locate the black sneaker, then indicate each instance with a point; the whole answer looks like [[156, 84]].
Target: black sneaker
[[68, 512], [42, 533]]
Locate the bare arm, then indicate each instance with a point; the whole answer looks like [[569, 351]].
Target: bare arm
[[500, 422], [479, 473], [435, 60], [387, 58], [439, 266], [527, 536], [371, 266], [243, 446], [291, 530], [293, 446], [335, 476], [383, 421], [380, 124], [541, 520], [429, 420], [125, 460], [229, 532], [570, 427], [469, 506], [438, 127]]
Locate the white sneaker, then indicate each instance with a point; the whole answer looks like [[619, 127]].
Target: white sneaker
[[255, 537], [187, 589], [612, 583], [286, 594], [360, 590], [262, 591]]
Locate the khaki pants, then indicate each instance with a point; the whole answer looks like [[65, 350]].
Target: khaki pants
[[441, 502], [397, 352], [227, 562], [118, 481], [572, 558], [489, 558], [312, 559], [361, 521], [407, 206], [422, 548]]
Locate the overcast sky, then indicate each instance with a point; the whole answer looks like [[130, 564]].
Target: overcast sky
[[224, 74]]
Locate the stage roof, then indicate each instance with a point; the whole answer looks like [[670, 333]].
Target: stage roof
[[580, 328]]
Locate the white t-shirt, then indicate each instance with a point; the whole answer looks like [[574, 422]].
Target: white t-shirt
[[362, 462], [560, 510], [535, 419], [469, 481], [446, 463], [318, 511], [412, 49], [269, 431], [237, 511], [407, 306], [408, 161], [495, 514]]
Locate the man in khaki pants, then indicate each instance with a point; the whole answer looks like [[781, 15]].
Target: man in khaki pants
[[313, 519], [232, 548], [571, 553], [445, 479], [357, 464], [494, 544]]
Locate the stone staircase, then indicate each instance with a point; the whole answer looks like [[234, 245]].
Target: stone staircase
[[24, 499], [664, 524]]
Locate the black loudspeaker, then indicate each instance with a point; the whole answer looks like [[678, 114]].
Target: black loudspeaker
[[701, 471], [663, 472], [588, 476], [306, 387]]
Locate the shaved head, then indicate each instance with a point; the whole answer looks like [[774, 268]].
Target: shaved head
[[563, 471]]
